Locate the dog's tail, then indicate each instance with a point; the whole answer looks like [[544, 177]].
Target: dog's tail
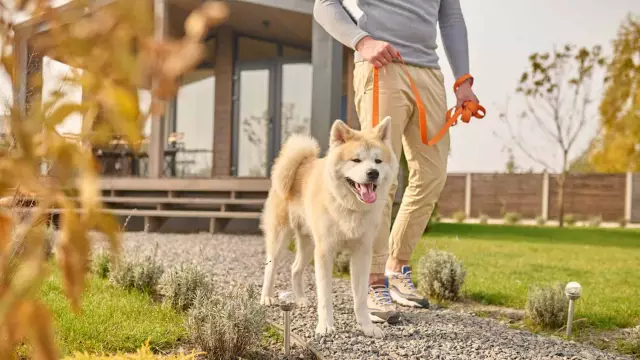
[[296, 150]]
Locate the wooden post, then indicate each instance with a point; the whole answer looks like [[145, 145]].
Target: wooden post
[[34, 79], [19, 84], [223, 111], [467, 195], [157, 137], [628, 197], [545, 195]]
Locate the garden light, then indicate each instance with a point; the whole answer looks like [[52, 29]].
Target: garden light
[[287, 302], [573, 291]]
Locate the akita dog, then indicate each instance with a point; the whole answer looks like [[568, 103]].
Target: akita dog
[[329, 203]]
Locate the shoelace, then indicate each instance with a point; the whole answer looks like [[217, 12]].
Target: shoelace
[[406, 277], [381, 294]]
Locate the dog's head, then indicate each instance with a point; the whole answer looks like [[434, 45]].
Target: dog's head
[[362, 163]]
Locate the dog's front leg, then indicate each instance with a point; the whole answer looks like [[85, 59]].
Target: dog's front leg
[[360, 265], [323, 259]]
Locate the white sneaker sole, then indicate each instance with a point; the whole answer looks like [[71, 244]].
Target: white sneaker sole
[[376, 319], [402, 301]]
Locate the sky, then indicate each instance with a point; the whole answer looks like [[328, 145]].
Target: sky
[[502, 34]]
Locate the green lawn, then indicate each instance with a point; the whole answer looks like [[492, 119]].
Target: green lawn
[[504, 261], [112, 320]]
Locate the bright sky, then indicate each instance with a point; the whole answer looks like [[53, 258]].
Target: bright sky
[[502, 34]]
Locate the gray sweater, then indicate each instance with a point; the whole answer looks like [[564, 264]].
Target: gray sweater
[[408, 25]]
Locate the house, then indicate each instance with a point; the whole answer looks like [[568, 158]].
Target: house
[[268, 71]]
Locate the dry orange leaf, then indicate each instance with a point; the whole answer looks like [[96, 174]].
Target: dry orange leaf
[[6, 228]]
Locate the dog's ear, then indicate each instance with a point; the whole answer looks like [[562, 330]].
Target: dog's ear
[[340, 133], [383, 130]]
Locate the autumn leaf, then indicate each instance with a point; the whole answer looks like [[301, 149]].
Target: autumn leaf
[[6, 228], [62, 112], [73, 252]]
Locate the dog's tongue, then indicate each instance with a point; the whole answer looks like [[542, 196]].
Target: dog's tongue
[[366, 192]]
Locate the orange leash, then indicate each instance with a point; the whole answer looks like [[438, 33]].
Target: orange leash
[[468, 109]]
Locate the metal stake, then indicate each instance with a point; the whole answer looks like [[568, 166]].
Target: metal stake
[[573, 291], [570, 317], [287, 333], [287, 303]]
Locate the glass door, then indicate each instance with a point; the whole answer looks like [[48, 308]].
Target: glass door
[[272, 100], [253, 119], [295, 99]]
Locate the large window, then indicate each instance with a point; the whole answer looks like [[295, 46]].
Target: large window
[[194, 118], [272, 101], [53, 74]]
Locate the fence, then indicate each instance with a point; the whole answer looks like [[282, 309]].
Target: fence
[[611, 196]]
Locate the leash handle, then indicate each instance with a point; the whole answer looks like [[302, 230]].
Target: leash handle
[[466, 111]]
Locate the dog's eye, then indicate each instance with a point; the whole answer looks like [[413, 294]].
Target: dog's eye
[[378, 161], [356, 160]]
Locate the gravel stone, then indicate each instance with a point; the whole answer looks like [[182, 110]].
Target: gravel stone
[[434, 334]]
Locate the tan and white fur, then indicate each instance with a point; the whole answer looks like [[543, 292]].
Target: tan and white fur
[[328, 204]]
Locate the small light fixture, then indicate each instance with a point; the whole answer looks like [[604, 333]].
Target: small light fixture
[[573, 291], [287, 302]]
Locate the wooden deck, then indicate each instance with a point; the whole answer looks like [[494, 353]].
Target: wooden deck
[[157, 200]]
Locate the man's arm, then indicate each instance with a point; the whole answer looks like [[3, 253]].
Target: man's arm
[[454, 36], [333, 17]]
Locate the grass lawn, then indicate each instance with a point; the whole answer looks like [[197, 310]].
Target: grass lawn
[[503, 261], [111, 320]]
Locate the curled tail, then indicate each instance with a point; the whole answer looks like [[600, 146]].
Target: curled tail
[[296, 150]]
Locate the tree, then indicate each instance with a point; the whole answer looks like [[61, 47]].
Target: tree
[[618, 147], [556, 92], [510, 167]]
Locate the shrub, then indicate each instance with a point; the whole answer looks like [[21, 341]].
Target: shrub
[[511, 218], [484, 219], [179, 286], [101, 264], [540, 221], [226, 325], [570, 219], [595, 221], [341, 263], [459, 216], [441, 275], [631, 344], [140, 275], [547, 306]]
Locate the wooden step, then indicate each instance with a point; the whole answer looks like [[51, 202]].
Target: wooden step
[[180, 200]]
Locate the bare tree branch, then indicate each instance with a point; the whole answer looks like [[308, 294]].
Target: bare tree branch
[[539, 120]]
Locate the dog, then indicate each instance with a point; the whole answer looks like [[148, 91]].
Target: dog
[[329, 203]]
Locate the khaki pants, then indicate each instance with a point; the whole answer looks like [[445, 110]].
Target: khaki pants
[[427, 164]]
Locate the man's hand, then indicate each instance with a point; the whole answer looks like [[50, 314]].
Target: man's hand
[[378, 53], [465, 93]]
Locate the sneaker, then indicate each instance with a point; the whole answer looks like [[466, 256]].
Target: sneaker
[[403, 291], [380, 306]]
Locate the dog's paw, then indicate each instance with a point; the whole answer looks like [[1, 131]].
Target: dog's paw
[[372, 331], [268, 300], [303, 302], [323, 329]]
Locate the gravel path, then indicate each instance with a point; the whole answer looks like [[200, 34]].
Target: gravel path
[[423, 334]]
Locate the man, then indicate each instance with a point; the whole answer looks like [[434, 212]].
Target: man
[[385, 29]]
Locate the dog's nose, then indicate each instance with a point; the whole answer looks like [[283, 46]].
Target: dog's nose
[[373, 174]]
